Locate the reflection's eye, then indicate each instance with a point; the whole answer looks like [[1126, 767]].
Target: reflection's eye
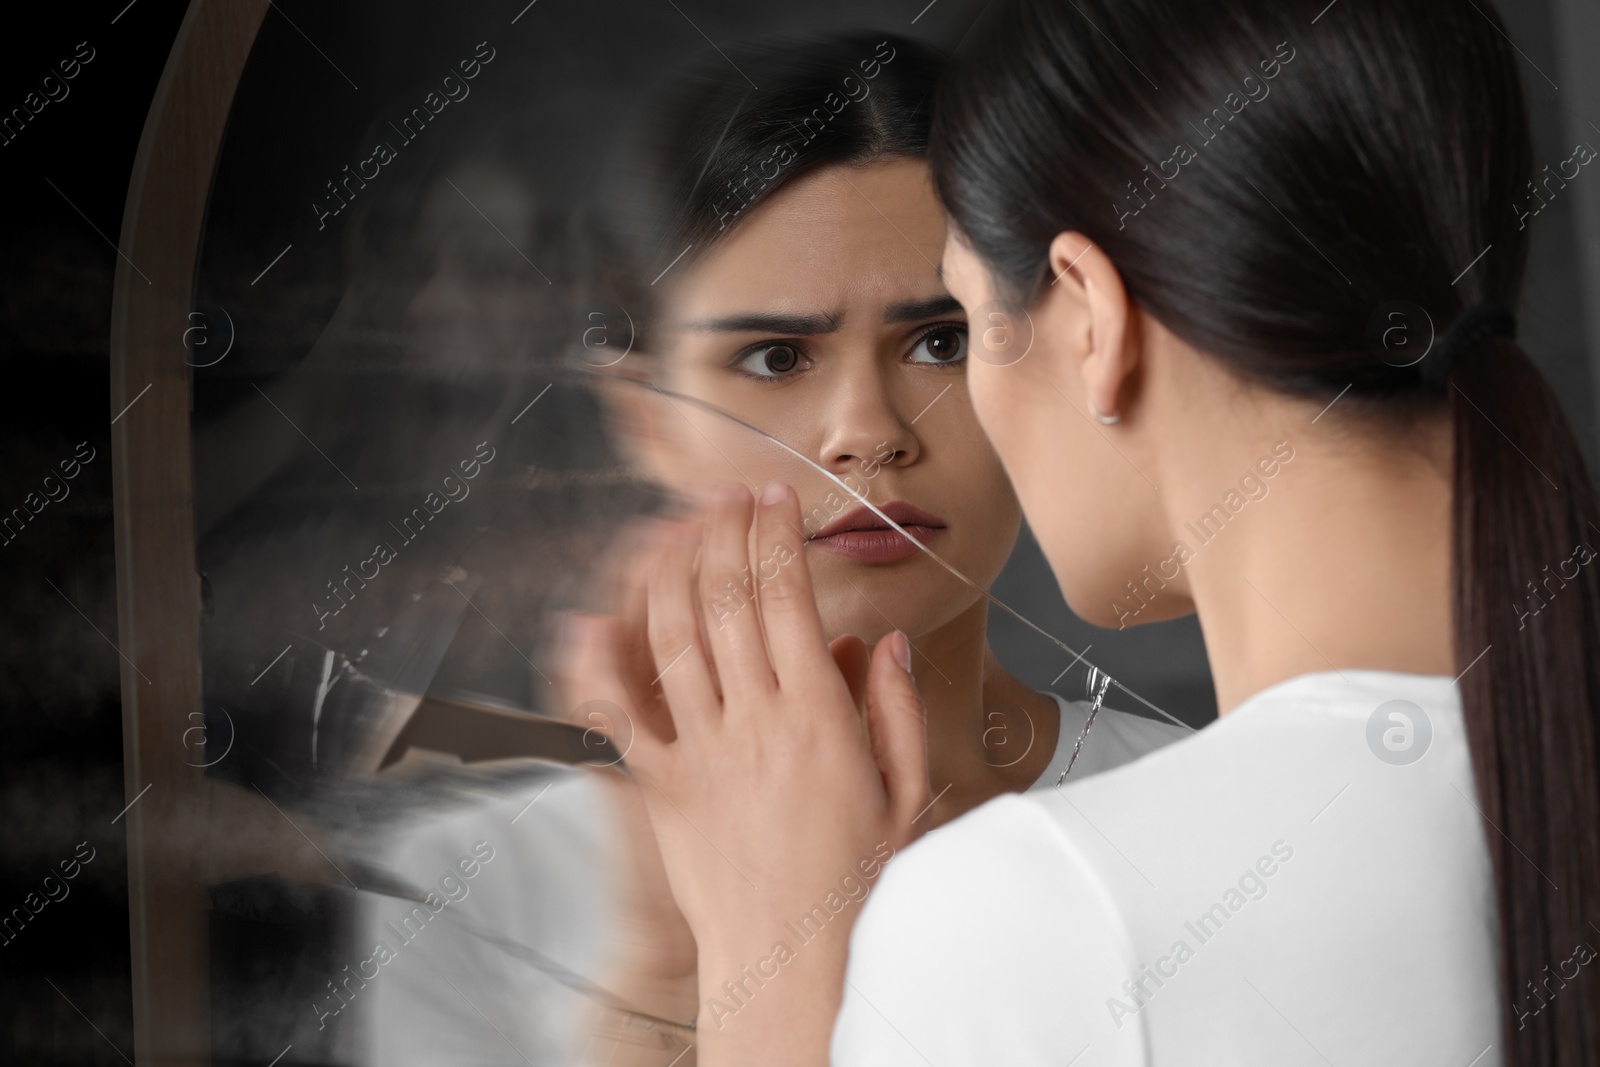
[[771, 360], [942, 344]]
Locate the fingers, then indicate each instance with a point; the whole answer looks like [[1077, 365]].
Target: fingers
[[631, 595], [728, 597], [788, 604], [618, 573], [898, 728], [597, 674], [623, 579], [674, 632], [619, 591]]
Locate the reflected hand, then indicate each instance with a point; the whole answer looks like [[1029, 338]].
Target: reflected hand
[[652, 955], [771, 797]]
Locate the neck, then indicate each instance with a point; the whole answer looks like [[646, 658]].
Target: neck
[[988, 733], [1343, 566]]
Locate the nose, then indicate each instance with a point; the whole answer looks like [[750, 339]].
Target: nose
[[866, 431]]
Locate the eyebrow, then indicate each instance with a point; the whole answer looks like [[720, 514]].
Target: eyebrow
[[917, 310], [809, 324], [803, 325]]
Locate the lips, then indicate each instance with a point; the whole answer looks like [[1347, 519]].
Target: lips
[[864, 537]]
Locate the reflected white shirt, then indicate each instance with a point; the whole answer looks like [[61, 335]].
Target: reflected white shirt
[[547, 893], [1114, 739], [1276, 889]]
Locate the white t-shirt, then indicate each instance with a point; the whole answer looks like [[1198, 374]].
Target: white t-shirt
[[1304, 881], [519, 947], [499, 976]]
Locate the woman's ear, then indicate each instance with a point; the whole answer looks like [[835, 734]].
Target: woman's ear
[[635, 413], [1088, 294]]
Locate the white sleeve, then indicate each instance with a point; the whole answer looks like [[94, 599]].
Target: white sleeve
[[988, 941]]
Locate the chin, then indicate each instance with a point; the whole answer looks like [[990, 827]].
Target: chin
[[870, 630], [1088, 597], [845, 611], [1094, 611]]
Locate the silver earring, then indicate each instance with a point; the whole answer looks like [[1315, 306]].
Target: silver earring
[[1104, 420]]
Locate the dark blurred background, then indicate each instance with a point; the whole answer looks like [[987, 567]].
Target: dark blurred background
[[441, 297]]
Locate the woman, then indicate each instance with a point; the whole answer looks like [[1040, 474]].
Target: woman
[[808, 304], [1388, 848]]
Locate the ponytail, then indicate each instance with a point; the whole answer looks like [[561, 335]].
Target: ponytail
[[1527, 587]]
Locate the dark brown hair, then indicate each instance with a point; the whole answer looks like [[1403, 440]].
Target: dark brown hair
[[1379, 158], [712, 146]]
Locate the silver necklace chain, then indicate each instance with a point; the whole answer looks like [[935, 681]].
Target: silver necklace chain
[[1094, 687]]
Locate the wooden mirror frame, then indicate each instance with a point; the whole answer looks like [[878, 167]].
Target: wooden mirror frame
[[174, 806]]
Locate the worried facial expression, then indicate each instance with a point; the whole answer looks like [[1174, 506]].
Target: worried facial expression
[[822, 320]]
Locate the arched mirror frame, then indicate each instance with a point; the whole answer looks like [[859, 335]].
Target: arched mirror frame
[[177, 814]]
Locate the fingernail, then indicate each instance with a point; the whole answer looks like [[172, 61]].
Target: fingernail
[[902, 651], [774, 493]]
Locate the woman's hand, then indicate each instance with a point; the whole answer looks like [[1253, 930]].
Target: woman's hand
[[651, 957], [774, 802]]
